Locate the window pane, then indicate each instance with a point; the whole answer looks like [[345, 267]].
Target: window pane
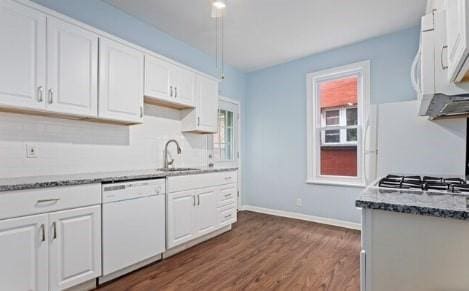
[[332, 117], [351, 134], [352, 116], [332, 136], [229, 119], [339, 161], [223, 141], [338, 152]]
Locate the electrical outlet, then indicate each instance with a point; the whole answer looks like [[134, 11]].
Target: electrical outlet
[[31, 151], [299, 202]]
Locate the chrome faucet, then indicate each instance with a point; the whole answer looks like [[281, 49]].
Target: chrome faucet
[[166, 162]]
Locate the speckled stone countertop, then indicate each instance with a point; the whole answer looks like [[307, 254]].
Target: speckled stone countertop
[[35, 182], [419, 202]]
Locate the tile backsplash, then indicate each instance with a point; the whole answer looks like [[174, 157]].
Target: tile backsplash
[[73, 146]]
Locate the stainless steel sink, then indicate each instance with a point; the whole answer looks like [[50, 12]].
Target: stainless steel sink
[[177, 169]]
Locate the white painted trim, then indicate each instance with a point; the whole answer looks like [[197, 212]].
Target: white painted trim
[[301, 216], [312, 120], [239, 147], [336, 183]]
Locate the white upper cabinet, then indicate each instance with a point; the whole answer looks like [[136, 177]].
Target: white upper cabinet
[[203, 118], [207, 97], [457, 36], [22, 56], [72, 69], [121, 81], [168, 84], [24, 253], [75, 247], [183, 81], [157, 79]]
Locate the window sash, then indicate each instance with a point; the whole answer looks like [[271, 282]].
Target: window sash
[[342, 126]]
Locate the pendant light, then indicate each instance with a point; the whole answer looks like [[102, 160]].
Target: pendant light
[[218, 12]]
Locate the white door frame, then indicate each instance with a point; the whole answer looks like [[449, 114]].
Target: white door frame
[[238, 152]]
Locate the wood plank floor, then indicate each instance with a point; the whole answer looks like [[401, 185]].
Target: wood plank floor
[[262, 252]]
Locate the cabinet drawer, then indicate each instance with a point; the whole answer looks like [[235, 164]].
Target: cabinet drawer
[[228, 216], [227, 195], [182, 183], [26, 202]]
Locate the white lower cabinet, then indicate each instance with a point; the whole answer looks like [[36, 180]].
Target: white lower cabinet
[[206, 211], [198, 205], [75, 247], [180, 220], [54, 250], [24, 253]]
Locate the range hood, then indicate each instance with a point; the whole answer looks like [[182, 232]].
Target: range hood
[[447, 106]]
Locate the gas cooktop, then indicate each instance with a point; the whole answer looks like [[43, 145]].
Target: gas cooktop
[[424, 183]]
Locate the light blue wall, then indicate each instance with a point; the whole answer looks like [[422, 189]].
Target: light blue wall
[[275, 148], [107, 18]]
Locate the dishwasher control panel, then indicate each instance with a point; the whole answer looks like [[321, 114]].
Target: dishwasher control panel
[[134, 189]]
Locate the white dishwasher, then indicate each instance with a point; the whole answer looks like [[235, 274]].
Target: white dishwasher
[[133, 225]]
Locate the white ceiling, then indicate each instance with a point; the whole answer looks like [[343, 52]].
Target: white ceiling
[[261, 33]]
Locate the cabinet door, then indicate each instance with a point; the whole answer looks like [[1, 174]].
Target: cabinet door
[[22, 56], [207, 105], [75, 247], [121, 73], [180, 217], [184, 86], [72, 69], [23, 253], [206, 211], [457, 36], [157, 78]]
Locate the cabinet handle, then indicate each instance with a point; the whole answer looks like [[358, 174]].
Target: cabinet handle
[[198, 200], [40, 94], [176, 92], [227, 195], [198, 121], [228, 216], [171, 91], [193, 200], [54, 230], [43, 232], [52, 200], [443, 66], [51, 96], [141, 111]]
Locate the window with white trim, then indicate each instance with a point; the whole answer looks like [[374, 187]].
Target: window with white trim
[[337, 105]]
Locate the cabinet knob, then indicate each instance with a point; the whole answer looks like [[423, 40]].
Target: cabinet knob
[[40, 94], [51, 96], [54, 230], [443, 65], [43, 232]]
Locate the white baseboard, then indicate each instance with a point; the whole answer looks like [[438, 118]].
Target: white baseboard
[[317, 219]]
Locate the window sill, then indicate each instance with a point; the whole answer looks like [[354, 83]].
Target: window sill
[[336, 183]]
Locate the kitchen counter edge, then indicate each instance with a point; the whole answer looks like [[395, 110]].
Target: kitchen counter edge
[[21, 183]]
